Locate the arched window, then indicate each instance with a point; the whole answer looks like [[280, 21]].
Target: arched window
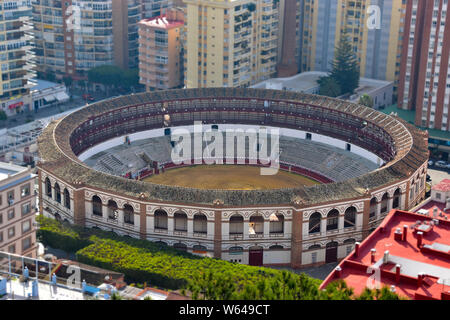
[[256, 224], [66, 198], [199, 249], [97, 206], [314, 223], [276, 225], [57, 193], [180, 221], [350, 217], [236, 250], [236, 224], [396, 201], [373, 208], [160, 219], [113, 210], [200, 223], [276, 247], [48, 187], [384, 203], [180, 246], [128, 214], [314, 247], [332, 220]]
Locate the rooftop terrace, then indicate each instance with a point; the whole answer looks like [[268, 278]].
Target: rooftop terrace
[[410, 253]]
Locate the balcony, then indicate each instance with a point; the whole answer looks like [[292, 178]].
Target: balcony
[[200, 235], [159, 230], [276, 234], [236, 236]]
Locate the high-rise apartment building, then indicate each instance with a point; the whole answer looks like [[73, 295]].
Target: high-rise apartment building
[[15, 56], [160, 52], [374, 27], [425, 70], [74, 36], [154, 8], [289, 34], [17, 210], [230, 43]]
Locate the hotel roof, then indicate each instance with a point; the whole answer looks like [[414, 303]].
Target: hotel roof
[[416, 244], [162, 22], [8, 169]]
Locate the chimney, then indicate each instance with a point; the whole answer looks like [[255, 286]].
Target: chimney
[[357, 249], [398, 234], [373, 252], [338, 273], [386, 256], [397, 273], [419, 239], [405, 232], [419, 279]]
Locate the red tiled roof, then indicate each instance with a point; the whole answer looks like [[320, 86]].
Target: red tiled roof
[[444, 185], [434, 261]]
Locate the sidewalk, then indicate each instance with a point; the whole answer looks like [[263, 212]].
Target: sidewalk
[[28, 116]]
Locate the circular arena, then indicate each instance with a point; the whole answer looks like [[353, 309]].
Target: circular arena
[[341, 167]]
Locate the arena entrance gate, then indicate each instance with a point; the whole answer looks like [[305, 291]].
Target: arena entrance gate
[[255, 256], [331, 252]]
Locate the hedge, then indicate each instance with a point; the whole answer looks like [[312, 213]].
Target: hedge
[[140, 260]]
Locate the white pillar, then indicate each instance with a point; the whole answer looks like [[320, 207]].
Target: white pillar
[[359, 220], [402, 200], [150, 224], [190, 227], [378, 210], [390, 204], [323, 226], [341, 222], [266, 228], [120, 216], [170, 225], [246, 227]]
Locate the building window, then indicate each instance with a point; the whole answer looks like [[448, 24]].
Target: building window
[[26, 226], [11, 214], [10, 196], [12, 248], [11, 232], [314, 257], [26, 208], [26, 243], [1, 237], [438, 195], [25, 190]]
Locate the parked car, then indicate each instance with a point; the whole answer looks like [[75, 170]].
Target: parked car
[[430, 163], [428, 178], [88, 97], [441, 164]]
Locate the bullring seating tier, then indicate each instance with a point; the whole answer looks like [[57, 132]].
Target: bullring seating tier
[[332, 162], [402, 146]]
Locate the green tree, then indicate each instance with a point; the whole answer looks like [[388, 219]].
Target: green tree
[[68, 81], [108, 75], [366, 100], [329, 87], [3, 115], [345, 67]]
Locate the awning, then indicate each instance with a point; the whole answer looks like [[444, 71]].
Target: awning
[[62, 96], [49, 98]]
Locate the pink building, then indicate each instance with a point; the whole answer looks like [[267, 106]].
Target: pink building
[[160, 52], [17, 210]]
